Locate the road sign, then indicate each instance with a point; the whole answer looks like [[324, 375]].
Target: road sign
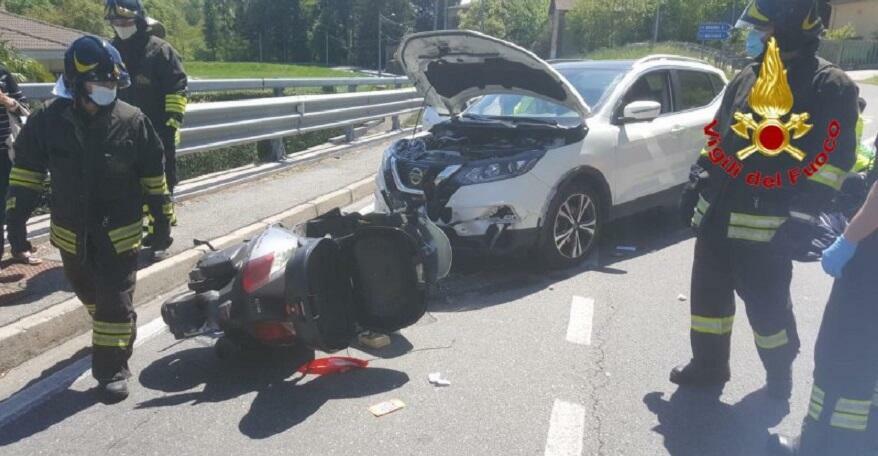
[[709, 31]]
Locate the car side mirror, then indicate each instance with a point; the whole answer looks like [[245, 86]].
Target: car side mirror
[[641, 111]]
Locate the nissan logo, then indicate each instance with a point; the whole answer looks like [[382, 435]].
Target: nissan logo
[[416, 176]]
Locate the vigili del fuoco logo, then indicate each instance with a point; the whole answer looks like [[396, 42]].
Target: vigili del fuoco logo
[[771, 98]]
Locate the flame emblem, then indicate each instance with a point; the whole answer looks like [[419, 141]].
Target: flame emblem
[[81, 67], [772, 99]]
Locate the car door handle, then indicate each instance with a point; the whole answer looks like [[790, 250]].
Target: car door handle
[[677, 129]]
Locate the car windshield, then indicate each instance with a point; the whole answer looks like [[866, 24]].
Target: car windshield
[[592, 84]]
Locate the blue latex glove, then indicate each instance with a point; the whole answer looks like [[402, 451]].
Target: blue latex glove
[[837, 256]]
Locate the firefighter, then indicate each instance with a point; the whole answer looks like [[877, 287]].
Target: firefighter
[[845, 367], [105, 161], [755, 213], [159, 83], [12, 103]]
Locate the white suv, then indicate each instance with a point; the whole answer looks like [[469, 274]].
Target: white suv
[[540, 156]]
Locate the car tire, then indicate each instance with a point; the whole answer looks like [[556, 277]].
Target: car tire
[[572, 226]]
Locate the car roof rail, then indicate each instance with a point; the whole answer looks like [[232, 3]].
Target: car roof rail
[[654, 57], [566, 60]]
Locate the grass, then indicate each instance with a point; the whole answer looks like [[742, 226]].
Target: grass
[[236, 70], [637, 52], [872, 80]]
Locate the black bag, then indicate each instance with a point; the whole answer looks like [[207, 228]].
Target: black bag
[[366, 275]]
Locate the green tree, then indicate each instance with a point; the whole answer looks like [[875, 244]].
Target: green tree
[[523, 22], [23, 68], [332, 31], [399, 19], [221, 38], [486, 16], [85, 15], [183, 20]]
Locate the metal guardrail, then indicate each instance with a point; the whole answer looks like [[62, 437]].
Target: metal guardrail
[[222, 124], [44, 91], [227, 123]]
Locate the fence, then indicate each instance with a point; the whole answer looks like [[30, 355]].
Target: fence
[[851, 54]]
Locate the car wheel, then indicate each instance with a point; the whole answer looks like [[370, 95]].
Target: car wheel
[[572, 226]]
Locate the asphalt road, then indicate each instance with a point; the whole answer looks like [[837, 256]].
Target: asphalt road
[[571, 363], [539, 363]]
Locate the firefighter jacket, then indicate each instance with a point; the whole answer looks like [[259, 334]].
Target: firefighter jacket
[[103, 170], [749, 199], [158, 83]]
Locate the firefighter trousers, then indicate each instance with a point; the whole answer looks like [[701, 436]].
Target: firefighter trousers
[[104, 282], [762, 280], [846, 363]]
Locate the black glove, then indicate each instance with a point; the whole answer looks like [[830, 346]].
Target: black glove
[[698, 177], [803, 237]]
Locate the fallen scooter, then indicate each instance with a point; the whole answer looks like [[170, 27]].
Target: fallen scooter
[[316, 287]]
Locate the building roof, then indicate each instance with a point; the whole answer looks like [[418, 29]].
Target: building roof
[[27, 34], [563, 5]]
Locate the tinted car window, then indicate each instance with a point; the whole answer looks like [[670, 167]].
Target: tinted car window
[[696, 90], [718, 83], [592, 84], [653, 86]]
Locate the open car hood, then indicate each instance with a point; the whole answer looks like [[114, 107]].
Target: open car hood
[[450, 68]]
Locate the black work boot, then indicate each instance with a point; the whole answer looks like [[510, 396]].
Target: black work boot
[[114, 391], [780, 385], [783, 446], [694, 374]]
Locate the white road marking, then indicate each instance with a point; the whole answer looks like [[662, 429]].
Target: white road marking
[[566, 430], [580, 325], [36, 394]]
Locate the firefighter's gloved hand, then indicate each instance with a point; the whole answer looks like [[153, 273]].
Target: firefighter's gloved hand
[[800, 238], [689, 198], [837, 256]]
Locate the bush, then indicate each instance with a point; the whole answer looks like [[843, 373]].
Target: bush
[[212, 161], [24, 68], [848, 32]]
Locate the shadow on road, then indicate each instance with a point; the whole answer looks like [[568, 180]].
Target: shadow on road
[[281, 402], [62, 407], [478, 282], [697, 423]]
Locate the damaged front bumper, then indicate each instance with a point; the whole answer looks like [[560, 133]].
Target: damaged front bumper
[[495, 218]]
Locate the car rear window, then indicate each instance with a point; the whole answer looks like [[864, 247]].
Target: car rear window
[[696, 89]]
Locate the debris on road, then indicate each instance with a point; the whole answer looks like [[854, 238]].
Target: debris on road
[[681, 297], [374, 340], [386, 408], [332, 365], [436, 379], [626, 248]]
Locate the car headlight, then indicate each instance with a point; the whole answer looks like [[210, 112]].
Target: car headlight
[[497, 169]]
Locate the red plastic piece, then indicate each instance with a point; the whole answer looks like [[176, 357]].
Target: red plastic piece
[[333, 365], [257, 272]]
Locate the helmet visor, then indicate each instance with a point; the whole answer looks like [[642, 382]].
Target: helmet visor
[[116, 11]]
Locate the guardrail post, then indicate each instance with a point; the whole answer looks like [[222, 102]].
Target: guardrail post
[[349, 133], [394, 121], [272, 149]]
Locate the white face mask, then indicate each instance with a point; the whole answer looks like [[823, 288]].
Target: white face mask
[[102, 96], [125, 32]]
